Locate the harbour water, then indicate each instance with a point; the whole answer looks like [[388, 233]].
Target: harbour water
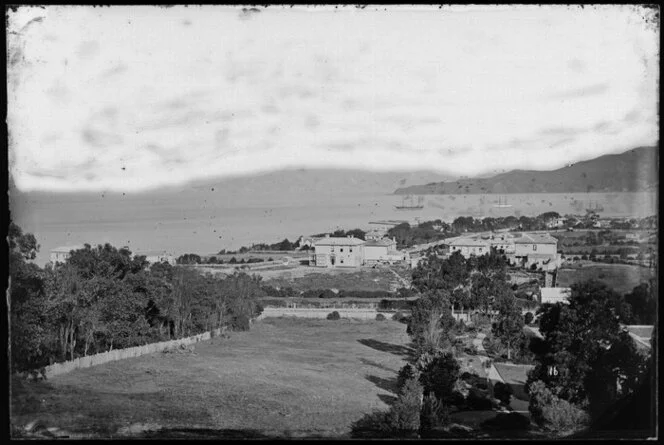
[[206, 222]]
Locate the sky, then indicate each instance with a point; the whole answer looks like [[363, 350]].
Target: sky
[[129, 98]]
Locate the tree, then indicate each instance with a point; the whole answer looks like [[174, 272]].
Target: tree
[[643, 304], [503, 392], [509, 323], [585, 358], [438, 374], [431, 321], [554, 413]]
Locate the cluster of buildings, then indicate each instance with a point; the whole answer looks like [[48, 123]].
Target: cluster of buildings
[[353, 252], [62, 254], [525, 249]]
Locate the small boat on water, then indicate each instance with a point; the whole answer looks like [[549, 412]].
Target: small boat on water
[[501, 203], [411, 205]]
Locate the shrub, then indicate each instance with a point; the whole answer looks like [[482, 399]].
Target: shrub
[[380, 317], [400, 317], [333, 316], [406, 373], [240, 323], [477, 401], [554, 413], [528, 318], [503, 393], [372, 426], [434, 415], [438, 374], [327, 293]]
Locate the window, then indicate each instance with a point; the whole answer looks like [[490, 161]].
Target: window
[[341, 249], [351, 249], [341, 261], [534, 246]]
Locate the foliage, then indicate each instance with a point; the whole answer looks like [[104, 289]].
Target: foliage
[[435, 414], [502, 392], [584, 351], [438, 374], [103, 298], [509, 322], [643, 304], [406, 373], [333, 316], [401, 420], [554, 413], [478, 400], [431, 325], [189, 258], [380, 317], [528, 318]]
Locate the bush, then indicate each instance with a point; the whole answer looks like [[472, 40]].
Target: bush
[[503, 393], [554, 413], [400, 317], [327, 293], [434, 415], [438, 374], [333, 316], [406, 373], [380, 317], [240, 323], [477, 401], [528, 318]]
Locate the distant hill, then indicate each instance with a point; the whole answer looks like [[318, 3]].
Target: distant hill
[[631, 171]]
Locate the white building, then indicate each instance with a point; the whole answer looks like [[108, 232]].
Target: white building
[[375, 234], [153, 257], [540, 249], [338, 252], [555, 295], [62, 254], [470, 246], [382, 251]]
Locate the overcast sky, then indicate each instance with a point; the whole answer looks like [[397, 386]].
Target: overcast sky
[[131, 98]]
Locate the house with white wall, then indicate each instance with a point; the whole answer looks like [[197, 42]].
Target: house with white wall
[[470, 246], [540, 249], [382, 251], [338, 252], [61, 254], [154, 257]]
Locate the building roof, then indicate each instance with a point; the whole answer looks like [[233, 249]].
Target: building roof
[[535, 238], [470, 242], [380, 242], [339, 241], [154, 253], [67, 249], [555, 293], [513, 373], [643, 331]]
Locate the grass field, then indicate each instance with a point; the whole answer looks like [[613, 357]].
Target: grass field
[[620, 277], [284, 378], [366, 279]]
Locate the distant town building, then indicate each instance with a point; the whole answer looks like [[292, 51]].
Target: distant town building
[[153, 257], [540, 249], [556, 223], [382, 251], [375, 234], [470, 246], [62, 254], [338, 252]]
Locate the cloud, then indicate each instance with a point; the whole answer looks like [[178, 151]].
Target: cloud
[[361, 89]]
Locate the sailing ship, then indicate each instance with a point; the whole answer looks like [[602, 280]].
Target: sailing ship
[[502, 203], [598, 208], [411, 203]]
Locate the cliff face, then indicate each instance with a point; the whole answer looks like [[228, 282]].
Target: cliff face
[[632, 171]]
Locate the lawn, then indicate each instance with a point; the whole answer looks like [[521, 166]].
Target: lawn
[[620, 277], [284, 378], [365, 279]]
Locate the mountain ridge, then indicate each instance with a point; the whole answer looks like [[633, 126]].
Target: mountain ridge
[[631, 171]]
